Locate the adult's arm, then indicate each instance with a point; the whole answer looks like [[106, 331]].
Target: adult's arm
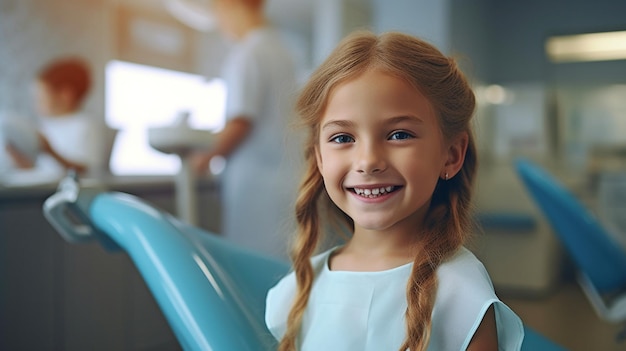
[[228, 140], [66, 163], [19, 159]]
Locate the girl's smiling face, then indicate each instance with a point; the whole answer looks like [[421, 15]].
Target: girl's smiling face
[[381, 152]]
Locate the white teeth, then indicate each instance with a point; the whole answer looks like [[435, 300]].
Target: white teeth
[[375, 192]]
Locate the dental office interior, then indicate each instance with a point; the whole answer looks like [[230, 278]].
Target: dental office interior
[[550, 82]]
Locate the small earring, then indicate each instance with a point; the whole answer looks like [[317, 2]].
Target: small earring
[[446, 175]]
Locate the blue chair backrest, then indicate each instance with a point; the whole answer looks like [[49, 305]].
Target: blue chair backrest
[[211, 292], [591, 247]]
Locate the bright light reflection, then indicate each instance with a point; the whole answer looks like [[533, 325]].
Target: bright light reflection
[[208, 275], [495, 95], [587, 47], [138, 97]]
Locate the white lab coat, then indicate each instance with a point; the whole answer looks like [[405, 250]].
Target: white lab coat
[[260, 180]]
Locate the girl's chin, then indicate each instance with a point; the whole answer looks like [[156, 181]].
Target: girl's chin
[[372, 225]]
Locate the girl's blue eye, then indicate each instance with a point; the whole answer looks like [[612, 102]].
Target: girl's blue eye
[[341, 139], [400, 136]]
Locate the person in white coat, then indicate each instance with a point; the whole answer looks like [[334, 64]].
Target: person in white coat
[[259, 182]]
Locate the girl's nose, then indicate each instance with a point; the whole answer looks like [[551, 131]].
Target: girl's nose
[[370, 159]]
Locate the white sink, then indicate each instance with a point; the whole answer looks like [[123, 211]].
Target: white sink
[[180, 139]]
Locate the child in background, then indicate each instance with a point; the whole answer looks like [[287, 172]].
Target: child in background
[[391, 153], [67, 137]]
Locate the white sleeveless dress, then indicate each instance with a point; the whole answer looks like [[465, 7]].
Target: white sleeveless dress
[[365, 311]]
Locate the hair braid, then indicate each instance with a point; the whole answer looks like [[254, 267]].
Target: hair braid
[[304, 246], [448, 222]]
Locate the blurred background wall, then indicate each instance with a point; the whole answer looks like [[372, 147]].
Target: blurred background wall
[[566, 116], [34, 32]]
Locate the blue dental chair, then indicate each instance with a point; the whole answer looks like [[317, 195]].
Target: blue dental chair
[[600, 260], [211, 292]]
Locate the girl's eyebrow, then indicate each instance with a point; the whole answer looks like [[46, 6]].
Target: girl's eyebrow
[[400, 119], [338, 123]]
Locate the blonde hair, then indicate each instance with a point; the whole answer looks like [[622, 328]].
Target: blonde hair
[[447, 222]]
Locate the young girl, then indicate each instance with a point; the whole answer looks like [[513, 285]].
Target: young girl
[[391, 147]]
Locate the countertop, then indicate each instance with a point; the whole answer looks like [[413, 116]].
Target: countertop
[[24, 190]]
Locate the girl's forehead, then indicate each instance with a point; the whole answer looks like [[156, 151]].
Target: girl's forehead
[[372, 78], [375, 87]]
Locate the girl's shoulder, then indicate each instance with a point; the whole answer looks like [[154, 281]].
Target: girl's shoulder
[[463, 286], [279, 298], [464, 294], [465, 266]]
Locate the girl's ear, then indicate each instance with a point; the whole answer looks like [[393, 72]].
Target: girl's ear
[[456, 156]]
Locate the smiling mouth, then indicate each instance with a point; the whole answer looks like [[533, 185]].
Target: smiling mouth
[[374, 192]]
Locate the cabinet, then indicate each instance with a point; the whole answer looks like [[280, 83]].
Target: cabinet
[[526, 259]]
